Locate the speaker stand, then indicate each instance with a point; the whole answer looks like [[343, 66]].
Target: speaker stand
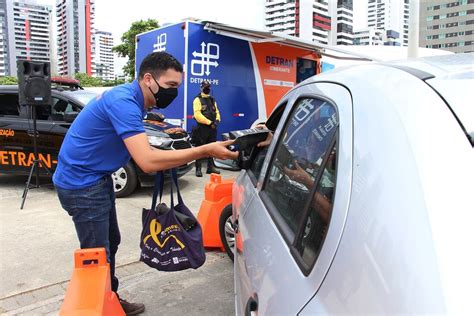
[[36, 163]]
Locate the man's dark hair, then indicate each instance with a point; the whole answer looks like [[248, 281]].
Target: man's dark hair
[[157, 63]]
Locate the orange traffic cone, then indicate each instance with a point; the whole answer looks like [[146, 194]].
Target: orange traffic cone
[[89, 291], [217, 195]]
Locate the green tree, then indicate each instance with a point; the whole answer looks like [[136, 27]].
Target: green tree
[[88, 81], [113, 83], [127, 48], [8, 80]]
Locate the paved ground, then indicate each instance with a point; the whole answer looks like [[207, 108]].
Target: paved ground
[[36, 256]]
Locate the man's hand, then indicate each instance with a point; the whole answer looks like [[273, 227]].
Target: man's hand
[[298, 174], [214, 124], [220, 150], [269, 138]]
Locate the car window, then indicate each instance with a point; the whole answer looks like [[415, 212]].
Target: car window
[[257, 164], [9, 104], [312, 236], [299, 173], [59, 107]]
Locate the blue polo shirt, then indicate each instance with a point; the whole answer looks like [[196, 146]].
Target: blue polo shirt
[[93, 146]]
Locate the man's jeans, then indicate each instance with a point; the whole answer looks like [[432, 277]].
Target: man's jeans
[[94, 215]]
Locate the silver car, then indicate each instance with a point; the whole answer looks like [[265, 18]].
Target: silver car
[[363, 203]]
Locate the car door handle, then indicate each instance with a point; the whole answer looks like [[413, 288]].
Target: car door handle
[[251, 307]]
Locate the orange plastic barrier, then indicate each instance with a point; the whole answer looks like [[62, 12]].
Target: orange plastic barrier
[[217, 195], [89, 291]]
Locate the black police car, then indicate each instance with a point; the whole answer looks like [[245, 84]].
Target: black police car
[[53, 121]]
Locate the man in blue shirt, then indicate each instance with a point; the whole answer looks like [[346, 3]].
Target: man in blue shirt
[[104, 136]]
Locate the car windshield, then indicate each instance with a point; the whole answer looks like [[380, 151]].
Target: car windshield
[[81, 96]]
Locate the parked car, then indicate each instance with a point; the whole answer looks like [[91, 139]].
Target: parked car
[[16, 127], [362, 204]]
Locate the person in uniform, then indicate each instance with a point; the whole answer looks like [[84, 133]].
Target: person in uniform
[[208, 118]]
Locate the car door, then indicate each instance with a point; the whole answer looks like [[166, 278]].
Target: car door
[[290, 221], [52, 127]]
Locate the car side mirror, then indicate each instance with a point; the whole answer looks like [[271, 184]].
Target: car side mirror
[[70, 116]]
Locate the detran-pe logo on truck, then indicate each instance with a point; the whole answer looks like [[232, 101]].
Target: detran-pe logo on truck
[[203, 61], [160, 45]]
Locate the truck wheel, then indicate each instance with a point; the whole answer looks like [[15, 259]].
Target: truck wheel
[[226, 231], [125, 180]]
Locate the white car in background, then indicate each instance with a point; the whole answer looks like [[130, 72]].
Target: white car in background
[[364, 201]]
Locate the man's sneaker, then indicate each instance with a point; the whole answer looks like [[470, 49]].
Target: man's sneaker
[[132, 308]]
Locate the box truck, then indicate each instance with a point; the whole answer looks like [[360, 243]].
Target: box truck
[[249, 70]]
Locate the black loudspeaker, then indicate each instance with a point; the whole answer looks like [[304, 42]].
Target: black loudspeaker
[[34, 82]]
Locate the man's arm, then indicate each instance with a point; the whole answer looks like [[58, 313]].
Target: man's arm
[[150, 159], [218, 114]]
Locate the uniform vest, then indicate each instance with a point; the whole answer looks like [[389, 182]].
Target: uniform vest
[[208, 107]]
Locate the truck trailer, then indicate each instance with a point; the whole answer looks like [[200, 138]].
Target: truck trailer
[[249, 70]]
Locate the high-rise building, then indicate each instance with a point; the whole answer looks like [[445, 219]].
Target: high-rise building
[[281, 16], [392, 17], [24, 33], [368, 37], [318, 21], [3, 39], [75, 29], [341, 23], [447, 24], [104, 57]]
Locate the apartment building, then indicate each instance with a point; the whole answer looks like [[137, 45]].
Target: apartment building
[[319, 21], [447, 24], [368, 37], [392, 18], [24, 33], [4, 63], [75, 30], [341, 14], [104, 57]]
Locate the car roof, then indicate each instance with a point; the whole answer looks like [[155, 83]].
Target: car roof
[[78, 95], [9, 88], [82, 96], [446, 74], [450, 74]]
